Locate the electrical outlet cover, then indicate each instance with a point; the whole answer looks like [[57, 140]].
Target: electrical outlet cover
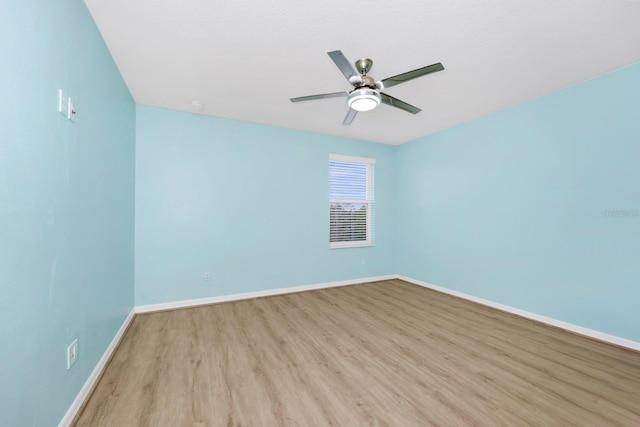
[[72, 353]]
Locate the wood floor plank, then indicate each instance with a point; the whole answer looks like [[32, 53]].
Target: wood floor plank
[[378, 354]]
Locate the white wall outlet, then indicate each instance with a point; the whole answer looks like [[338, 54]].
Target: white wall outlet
[[363, 261], [72, 353], [207, 276]]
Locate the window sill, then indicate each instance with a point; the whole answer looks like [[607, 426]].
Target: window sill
[[352, 245]]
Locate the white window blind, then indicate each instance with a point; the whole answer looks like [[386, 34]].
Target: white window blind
[[350, 201]]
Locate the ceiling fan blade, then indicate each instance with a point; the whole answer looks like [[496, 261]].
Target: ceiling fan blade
[[345, 66], [321, 96], [409, 75], [351, 114], [395, 102]]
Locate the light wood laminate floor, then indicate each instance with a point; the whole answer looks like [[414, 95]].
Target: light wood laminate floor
[[378, 354]]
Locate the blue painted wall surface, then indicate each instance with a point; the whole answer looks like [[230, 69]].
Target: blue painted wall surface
[[536, 206], [66, 206], [246, 202]]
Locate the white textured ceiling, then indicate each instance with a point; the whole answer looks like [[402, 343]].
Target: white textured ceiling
[[244, 59]]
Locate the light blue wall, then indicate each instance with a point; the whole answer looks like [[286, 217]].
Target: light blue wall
[[512, 207], [66, 206], [247, 202]]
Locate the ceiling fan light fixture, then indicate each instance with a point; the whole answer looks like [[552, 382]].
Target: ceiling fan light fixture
[[363, 99], [367, 93]]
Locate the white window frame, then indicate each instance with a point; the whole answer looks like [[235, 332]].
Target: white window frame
[[368, 202]]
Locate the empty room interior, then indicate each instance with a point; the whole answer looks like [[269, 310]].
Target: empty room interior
[[319, 213]]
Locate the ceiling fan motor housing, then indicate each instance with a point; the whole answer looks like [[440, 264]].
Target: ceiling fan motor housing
[[368, 81]]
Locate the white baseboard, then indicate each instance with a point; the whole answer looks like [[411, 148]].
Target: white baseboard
[[590, 333], [95, 374], [248, 295]]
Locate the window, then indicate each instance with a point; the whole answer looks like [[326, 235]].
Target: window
[[350, 201]]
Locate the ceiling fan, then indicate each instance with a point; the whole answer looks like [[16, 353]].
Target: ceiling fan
[[367, 93]]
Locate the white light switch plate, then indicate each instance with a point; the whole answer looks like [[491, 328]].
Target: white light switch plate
[[63, 103]]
